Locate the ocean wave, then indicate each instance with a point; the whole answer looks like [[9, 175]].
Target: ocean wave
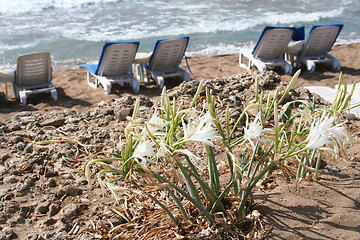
[[9, 46], [169, 25], [215, 26], [23, 6], [300, 17], [219, 49]]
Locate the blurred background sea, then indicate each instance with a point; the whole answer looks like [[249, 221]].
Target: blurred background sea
[[73, 31]]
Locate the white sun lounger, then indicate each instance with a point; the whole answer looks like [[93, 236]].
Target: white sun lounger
[[165, 60], [317, 46], [33, 75], [268, 52], [115, 66]]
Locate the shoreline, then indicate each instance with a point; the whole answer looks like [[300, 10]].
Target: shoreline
[[75, 94], [212, 51]]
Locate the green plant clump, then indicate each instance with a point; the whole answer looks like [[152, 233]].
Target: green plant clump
[[176, 154]]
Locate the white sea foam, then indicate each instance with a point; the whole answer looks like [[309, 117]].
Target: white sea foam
[[79, 27], [5, 47], [172, 25], [220, 49], [23, 6]]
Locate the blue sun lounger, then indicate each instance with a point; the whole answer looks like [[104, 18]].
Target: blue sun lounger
[[317, 45], [115, 66], [165, 60], [269, 51]]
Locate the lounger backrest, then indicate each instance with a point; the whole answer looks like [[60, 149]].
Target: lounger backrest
[[320, 40], [167, 54], [117, 58], [33, 70], [273, 42]]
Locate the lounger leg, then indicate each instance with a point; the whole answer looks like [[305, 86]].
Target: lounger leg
[[133, 66], [54, 94], [136, 86], [90, 83], [288, 68], [261, 66], [310, 65], [106, 84], [140, 72], [289, 57], [241, 63], [159, 81], [22, 97], [147, 77], [107, 88], [336, 66]]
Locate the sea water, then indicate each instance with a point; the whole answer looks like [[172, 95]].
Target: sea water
[[73, 31]]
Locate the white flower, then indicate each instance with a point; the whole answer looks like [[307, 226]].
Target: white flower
[[338, 132], [144, 151], [156, 124], [323, 132], [162, 150], [200, 130], [193, 158], [255, 130]]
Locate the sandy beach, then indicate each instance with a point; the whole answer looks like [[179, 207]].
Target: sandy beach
[[75, 94], [45, 195]]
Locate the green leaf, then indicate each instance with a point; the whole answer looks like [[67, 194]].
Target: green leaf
[[213, 172], [187, 196], [164, 208]]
